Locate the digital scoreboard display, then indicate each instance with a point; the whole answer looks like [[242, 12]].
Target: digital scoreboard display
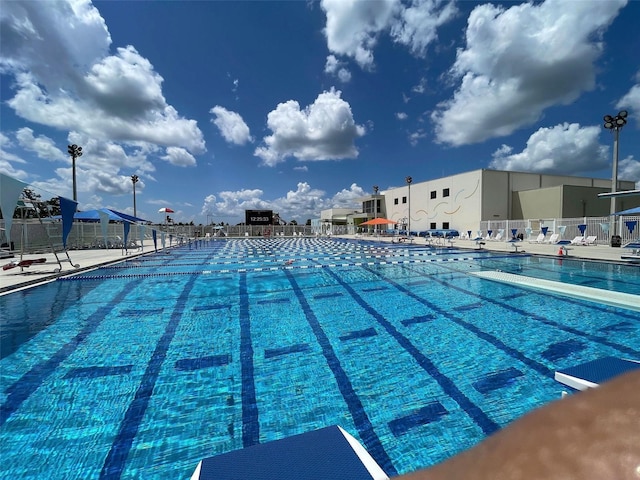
[[259, 217]]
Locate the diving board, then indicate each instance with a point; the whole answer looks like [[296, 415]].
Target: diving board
[[591, 374], [607, 297], [327, 453]]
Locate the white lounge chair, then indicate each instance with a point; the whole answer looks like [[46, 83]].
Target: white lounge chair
[[590, 240], [554, 238], [540, 239], [579, 240]]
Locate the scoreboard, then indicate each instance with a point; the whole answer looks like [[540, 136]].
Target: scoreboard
[[259, 217]]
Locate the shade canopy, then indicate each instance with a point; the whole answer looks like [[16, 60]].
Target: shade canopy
[[166, 210], [631, 211], [379, 221], [94, 216]]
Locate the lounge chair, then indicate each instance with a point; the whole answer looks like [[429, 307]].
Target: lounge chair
[[579, 240], [634, 256], [592, 374], [498, 237], [590, 240], [554, 238], [540, 239]]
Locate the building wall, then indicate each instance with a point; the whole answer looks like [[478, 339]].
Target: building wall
[[486, 195], [540, 203], [459, 208], [496, 195]]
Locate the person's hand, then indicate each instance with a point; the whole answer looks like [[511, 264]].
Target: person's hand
[[588, 435]]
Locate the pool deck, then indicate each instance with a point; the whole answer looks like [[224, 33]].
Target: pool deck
[[14, 279]]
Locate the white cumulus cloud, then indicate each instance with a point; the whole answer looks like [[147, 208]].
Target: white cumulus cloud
[[78, 85], [353, 27], [300, 204], [563, 149], [231, 126], [631, 100], [519, 61], [324, 130], [179, 157]]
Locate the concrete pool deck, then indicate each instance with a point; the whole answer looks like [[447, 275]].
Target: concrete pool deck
[[14, 279]]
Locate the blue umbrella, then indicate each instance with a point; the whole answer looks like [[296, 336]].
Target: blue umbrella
[[631, 211]]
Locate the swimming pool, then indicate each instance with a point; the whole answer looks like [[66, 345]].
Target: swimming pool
[[142, 369]]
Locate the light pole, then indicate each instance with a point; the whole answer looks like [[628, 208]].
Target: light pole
[[409, 180], [75, 151], [615, 124], [134, 180], [375, 201]]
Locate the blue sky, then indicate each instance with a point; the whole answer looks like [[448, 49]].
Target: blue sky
[[298, 106]]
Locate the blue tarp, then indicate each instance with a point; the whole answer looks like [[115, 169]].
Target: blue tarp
[[94, 216]]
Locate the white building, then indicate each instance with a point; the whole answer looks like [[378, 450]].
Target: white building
[[462, 202]]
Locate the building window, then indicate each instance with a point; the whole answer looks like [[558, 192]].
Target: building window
[[445, 225], [404, 199], [370, 206], [433, 194], [445, 192], [433, 226], [395, 201]]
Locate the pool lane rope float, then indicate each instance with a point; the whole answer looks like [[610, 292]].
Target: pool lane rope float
[[291, 266], [251, 259]]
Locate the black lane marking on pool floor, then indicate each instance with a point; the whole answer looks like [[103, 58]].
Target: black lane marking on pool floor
[[481, 419], [535, 316], [250, 421], [114, 464], [34, 378], [361, 420]]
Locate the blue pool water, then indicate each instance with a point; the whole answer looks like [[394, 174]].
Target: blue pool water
[[141, 369]]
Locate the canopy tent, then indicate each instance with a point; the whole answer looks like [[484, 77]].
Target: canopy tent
[[630, 211], [113, 215]]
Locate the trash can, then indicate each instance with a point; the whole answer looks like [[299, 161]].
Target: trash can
[[616, 240]]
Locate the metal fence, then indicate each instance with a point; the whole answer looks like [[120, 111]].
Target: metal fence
[[568, 228], [32, 236]]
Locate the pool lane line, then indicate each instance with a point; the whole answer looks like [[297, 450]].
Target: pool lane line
[[531, 315], [512, 352], [591, 337], [265, 269], [250, 420], [361, 420], [480, 418], [116, 459], [571, 300], [20, 390], [612, 298]]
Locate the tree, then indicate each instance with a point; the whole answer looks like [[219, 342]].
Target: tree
[[308, 224], [36, 207]]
